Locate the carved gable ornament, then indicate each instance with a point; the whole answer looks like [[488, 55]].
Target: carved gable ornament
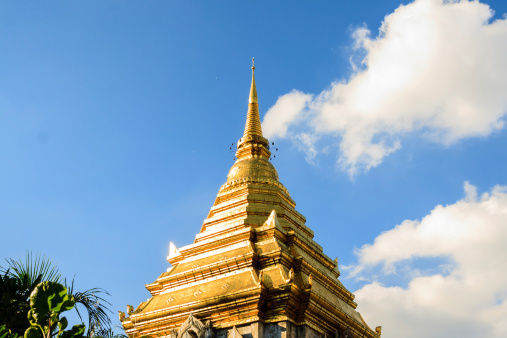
[[234, 333], [194, 328]]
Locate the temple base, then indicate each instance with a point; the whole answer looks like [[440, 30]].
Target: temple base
[[283, 329]]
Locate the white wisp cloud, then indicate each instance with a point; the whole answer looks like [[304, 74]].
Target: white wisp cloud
[[436, 68], [465, 298]]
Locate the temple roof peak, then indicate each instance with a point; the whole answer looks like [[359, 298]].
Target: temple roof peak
[[253, 90], [253, 120]]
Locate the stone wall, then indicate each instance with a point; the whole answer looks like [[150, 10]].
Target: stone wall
[[284, 329]]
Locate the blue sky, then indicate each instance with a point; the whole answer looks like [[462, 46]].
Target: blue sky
[[116, 120]]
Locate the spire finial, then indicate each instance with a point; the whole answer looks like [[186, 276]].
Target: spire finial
[[253, 122], [253, 144], [253, 90]]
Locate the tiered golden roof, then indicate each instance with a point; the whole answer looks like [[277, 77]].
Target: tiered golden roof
[[253, 263]]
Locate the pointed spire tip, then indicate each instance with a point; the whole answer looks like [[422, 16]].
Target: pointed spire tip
[[253, 90]]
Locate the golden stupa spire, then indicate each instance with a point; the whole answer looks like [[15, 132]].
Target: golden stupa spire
[[253, 90], [253, 121], [253, 144]]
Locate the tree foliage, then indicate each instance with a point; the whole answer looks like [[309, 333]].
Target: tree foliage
[[47, 301], [20, 278], [14, 305], [5, 333]]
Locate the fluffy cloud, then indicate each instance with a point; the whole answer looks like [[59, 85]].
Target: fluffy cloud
[[436, 68], [466, 297]]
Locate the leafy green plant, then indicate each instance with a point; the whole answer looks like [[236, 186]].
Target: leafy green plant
[[19, 279], [14, 305], [47, 301]]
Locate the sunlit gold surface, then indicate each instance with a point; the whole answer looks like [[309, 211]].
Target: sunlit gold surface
[[254, 261], [253, 90], [253, 167], [253, 121]]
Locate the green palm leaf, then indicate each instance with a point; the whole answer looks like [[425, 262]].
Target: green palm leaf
[[33, 269], [95, 305]]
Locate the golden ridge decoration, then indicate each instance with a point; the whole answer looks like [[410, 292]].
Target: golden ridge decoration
[[130, 309], [260, 278], [291, 276]]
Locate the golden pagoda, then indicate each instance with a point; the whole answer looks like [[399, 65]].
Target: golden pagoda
[[254, 270]]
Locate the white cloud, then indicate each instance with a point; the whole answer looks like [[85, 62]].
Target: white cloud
[[466, 298], [286, 110], [436, 68], [306, 143]]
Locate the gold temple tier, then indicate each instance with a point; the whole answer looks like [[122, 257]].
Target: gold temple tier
[[253, 146], [253, 270]]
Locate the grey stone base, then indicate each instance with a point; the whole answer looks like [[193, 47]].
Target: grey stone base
[[284, 329]]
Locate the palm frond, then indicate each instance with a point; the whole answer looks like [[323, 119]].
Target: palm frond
[[37, 268], [95, 305], [34, 268], [108, 333]]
